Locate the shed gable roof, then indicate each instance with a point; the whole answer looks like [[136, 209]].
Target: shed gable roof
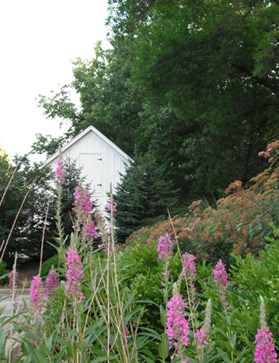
[[80, 136]]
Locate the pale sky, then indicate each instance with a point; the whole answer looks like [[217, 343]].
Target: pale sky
[[38, 40]]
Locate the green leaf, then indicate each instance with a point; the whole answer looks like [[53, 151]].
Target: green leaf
[[233, 340], [36, 355], [150, 333], [163, 348], [104, 359], [3, 337], [163, 315], [224, 355]]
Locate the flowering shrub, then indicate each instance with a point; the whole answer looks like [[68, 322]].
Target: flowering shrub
[[237, 224]]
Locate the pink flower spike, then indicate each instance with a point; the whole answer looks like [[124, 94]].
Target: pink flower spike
[[37, 293], [164, 246], [52, 281], [265, 349], [59, 171], [221, 279], [82, 204], [189, 266], [90, 231], [177, 325], [74, 274], [202, 336]]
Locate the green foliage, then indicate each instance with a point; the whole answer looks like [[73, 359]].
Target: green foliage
[[48, 264], [26, 236], [3, 268], [249, 278], [261, 273], [142, 196], [142, 271], [3, 273], [25, 189], [238, 223], [216, 144], [205, 121]]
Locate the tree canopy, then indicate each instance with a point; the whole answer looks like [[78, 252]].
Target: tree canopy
[[195, 82]]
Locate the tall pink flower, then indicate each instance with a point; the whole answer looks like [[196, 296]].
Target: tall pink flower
[[52, 281], [177, 325], [59, 171], [82, 203], [37, 293], [74, 274], [90, 231], [265, 349], [189, 266], [202, 336], [221, 279], [164, 246]]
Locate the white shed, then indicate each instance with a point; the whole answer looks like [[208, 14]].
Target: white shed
[[100, 159]]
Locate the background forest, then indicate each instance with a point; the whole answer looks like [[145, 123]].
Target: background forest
[[195, 83]]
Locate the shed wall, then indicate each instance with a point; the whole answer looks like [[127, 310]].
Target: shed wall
[[101, 164]]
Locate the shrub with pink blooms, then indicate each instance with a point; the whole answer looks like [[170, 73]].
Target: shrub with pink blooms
[[235, 224]]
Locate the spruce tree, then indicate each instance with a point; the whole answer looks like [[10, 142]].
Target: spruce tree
[[143, 196]]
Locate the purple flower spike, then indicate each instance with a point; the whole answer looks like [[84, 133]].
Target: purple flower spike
[[177, 325], [74, 274], [265, 349], [189, 266], [59, 171], [37, 293], [221, 279], [52, 281], [164, 246]]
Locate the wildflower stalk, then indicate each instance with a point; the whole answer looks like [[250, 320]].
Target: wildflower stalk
[[221, 281], [108, 297], [13, 305], [265, 351], [43, 237], [58, 215], [193, 319], [123, 337], [9, 183], [16, 218], [177, 325], [202, 335]]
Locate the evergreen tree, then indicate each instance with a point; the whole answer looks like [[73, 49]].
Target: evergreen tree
[[143, 196]]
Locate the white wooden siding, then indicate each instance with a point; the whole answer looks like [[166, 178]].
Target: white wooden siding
[[100, 159]]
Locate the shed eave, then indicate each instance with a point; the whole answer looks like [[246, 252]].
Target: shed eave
[[80, 136]]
